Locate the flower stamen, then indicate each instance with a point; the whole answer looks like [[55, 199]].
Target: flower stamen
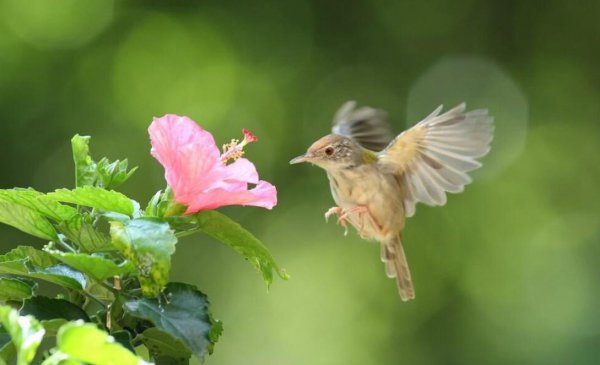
[[234, 149]]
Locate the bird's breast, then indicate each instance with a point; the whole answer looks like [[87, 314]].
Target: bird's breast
[[366, 186]]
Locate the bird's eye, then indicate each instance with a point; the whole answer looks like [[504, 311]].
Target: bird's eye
[[329, 151]]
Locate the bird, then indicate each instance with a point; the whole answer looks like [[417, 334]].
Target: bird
[[377, 179]]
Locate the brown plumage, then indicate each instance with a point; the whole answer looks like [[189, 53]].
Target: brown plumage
[[376, 191]]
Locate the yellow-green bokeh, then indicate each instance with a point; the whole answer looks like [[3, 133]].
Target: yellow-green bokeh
[[506, 273]]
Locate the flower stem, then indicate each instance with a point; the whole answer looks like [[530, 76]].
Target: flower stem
[[188, 232]]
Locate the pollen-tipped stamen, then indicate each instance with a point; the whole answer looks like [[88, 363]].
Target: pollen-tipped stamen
[[235, 149]]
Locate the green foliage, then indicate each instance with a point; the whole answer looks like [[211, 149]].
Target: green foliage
[[165, 349], [85, 167], [95, 266], [110, 263], [106, 174], [95, 197], [87, 344], [149, 244], [34, 264], [48, 309], [39, 203], [83, 235], [224, 229], [183, 314], [26, 220], [25, 332], [15, 289]]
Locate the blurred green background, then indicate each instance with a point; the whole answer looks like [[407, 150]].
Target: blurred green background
[[506, 273]]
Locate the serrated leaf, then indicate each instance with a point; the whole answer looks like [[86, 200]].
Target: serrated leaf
[[25, 331], [113, 174], [38, 202], [26, 220], [38, 258], [85, 168], [31, 263], [164, 348], [148, 244], [47, 309], [224, 229], [97, 267], [84, 235], [99, 198], [184, 315], [15, 289], [86, 343]]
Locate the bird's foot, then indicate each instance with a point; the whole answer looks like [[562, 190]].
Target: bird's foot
[[341, 219], [359, 209], [333, 210]]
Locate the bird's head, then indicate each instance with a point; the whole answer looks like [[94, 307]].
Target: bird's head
[[332, 152]]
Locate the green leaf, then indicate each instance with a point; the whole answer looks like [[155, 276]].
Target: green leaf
[[26, 220], [52, 325], [7, 350], [47, 309], [113, 174], [97, 267], [29, 262], [15, 289], [149, 244], [59, 358], [38, 202], [224, 229], [85, 168], [184, 315], [124, 338], [38, 258], [164, 348], [84, 235], [25, 331], [99, 198], [61, 275], [86, 343]]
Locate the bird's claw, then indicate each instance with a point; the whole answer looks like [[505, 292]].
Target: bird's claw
[[333, 210], [343, 215], [358, 209]]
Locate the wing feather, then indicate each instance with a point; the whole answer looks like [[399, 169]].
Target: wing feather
[[434, 156], [367, 126]]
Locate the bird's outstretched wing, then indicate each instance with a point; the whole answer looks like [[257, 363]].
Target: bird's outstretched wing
[[367, 126], [434, 156]]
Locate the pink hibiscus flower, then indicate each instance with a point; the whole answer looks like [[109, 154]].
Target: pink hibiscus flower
[[198, 173]]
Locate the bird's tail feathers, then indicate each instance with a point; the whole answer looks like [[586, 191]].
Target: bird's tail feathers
[[396, 266]]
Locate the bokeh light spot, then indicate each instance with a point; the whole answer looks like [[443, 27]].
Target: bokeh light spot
[[56, 23], [481, 84], [168, 65]]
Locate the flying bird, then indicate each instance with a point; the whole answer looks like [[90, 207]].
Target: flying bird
[[376, 180]]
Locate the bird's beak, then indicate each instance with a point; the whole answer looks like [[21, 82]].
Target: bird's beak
[[302, 158]]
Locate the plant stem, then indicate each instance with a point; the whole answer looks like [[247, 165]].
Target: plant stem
[[65, 245], [188, 232], [94, 299]]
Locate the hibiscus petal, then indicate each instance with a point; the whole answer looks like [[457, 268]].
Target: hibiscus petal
[[242, 170], [263, 195], [188, 153], [172, 131], [196, 173]]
